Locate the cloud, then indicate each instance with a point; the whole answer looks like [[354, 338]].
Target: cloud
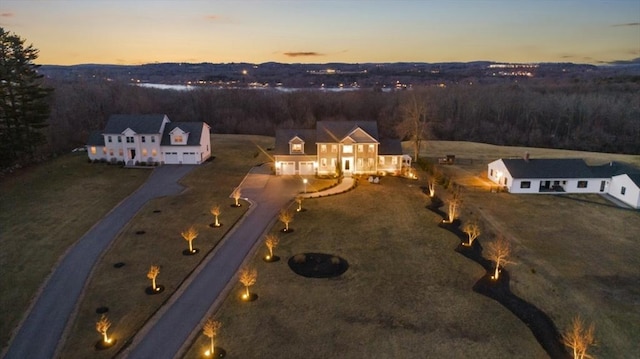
[[627, 24], [7, 14], [635, 61], [303, 54]]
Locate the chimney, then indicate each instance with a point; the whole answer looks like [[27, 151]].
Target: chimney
[[526, 156]]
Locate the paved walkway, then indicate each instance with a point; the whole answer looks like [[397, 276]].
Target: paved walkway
[[346, 184], [169, 330], [41, 330]]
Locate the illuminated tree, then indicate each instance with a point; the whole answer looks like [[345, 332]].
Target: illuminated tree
[[499, 251], [454, 206], [102, 326], [248, 278], [472, 229], [236, 195], [579, 338], [299, 202], [153, 274], [215, 211], [271, 242], [210, 329], [285, 217], [432, 185], [189, 235]]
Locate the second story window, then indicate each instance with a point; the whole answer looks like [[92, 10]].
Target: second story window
[[119, 139], [296, 147], [323, 148], [371, 148], [109, 139], [177, 139], [143, 139], [153, 139], [129, 139], [360, 148], [334, 148]]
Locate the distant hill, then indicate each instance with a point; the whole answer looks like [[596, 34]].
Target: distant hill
[[354, 75]]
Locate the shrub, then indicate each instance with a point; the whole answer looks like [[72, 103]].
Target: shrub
[[300, 258]]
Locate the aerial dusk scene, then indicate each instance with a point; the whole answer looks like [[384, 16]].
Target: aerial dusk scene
[[311, 179]]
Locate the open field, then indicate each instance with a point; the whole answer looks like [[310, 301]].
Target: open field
[[44, 210], [408, 294]]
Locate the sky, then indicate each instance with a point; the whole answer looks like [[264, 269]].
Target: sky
[[71, 32]]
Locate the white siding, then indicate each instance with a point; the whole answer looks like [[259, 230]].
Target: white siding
[[631, 194]]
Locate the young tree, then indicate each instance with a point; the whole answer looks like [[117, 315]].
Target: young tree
[[454, 205], [248, 278], [236, 196], [299, 202], [102, 326], [189, 235], [499, 251], [285, 217], [271, 242], [215, 211], [413, 111], [210, 329], [472, 229], [432, 186], [579, 338], [24, 108], [153, 274]]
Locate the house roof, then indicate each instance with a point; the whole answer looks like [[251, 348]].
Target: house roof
[[193, 128], [390, 147], [95, 139], [142, 124], [283, 136], [613, 169], [548, 168], [335, 131], [635, 177]]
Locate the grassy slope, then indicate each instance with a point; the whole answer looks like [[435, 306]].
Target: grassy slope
[[44, 210]]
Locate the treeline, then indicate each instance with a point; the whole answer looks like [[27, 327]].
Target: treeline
[[599, 116]]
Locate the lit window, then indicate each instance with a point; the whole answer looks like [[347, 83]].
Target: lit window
[[154, 152], [177, 139], [334, 148], [582, 184], [371, 162], [111, 152], [525, 184], [323, 162], [144, 151], [347, 149], [104, 150], [359, 162], [371, 148], [360, 148], [381, 160], [296, 147], [93, 150], [323, 148], [394, 160]]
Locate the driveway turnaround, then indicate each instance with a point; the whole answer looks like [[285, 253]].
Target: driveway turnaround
[[168, 330], [41, 330]]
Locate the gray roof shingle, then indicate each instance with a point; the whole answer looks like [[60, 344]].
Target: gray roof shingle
[[390, 147], [283, 136], [334, 131], [548, 168], [95, 139], [193, 128], [141, 124]]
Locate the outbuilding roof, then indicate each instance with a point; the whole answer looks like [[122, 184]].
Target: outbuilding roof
[[548, 168]]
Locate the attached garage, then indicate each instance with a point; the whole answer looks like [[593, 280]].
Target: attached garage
[[288, 168], [306, 168], [171, 158], [189, 158]]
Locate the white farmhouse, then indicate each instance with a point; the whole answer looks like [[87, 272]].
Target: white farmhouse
[[150, 139], [567, 175]]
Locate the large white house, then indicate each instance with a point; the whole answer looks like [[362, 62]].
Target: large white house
[[347, 147], [150, 139], [526, 175]]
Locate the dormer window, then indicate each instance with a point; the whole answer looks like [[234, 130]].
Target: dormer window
[[296, 147], [177, 139]]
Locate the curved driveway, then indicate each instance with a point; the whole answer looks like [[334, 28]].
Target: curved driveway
[[40, 332], [166, 333]]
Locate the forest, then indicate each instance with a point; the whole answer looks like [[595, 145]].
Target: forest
[[601, 115]]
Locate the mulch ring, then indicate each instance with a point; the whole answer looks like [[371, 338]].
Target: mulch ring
[[318, 265]]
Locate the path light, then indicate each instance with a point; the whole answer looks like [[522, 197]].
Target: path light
[[189, 235], [215, 211], [210, 329], [271, 241], [248, 278], [304, 181], [153, 274], [299, 202], [102, 326]]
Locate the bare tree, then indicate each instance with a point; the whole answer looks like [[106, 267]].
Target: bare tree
[[189, 235], [236, 195], [248, 278], [499, 251], [472, 229], [210, 329], [413, 111], [285, 217], [579, 338], [153, 274], [432, 181], [271, 241], [215, 211], [102, 326], [454, 205]]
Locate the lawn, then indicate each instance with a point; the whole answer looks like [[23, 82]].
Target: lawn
[[408, 294], [43, 210]]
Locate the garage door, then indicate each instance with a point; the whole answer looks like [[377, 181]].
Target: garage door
[[306, 168], [171, 157], [288, 168], [189, 158]]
